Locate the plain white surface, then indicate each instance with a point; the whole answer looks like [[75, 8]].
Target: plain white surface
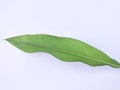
[[96, 22]]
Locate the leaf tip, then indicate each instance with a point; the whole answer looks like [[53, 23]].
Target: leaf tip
[[8, 40]]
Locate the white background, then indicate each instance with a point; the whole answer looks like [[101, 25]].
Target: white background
[[96, 22]]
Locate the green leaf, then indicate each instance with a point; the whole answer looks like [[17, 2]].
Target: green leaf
[[63, 48]]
